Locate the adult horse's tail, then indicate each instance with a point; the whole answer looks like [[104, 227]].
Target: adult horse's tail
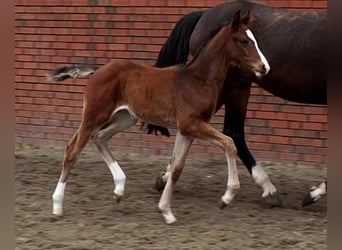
[[175, 51]]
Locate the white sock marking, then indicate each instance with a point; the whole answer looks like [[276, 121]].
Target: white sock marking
[[119, 177], [262, 57], [57, 197], [319, 191], [229, 195], [261, 178]]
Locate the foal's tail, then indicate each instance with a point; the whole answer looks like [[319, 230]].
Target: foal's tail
[[176, 48], [175, 51], [72, 71]]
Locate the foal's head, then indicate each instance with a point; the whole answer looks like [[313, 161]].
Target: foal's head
[[243, 48]]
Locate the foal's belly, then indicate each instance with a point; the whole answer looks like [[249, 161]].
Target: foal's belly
[[156, 114]]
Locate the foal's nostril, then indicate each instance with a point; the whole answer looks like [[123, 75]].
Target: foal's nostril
[[264, 70]]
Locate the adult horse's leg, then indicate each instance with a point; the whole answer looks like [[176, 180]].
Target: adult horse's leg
[[120, 121], [180, 151], [235, 97], [73, 149], [315, 193]]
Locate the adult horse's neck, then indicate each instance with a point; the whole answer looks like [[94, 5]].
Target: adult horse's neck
[[212, 60]]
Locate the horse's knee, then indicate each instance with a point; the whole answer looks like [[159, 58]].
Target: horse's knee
[[230, 146], [98, 138], [188, 129]]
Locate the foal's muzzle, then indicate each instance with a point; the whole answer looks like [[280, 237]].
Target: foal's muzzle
[[261, 71]]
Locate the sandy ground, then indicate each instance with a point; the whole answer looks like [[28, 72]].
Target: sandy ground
[[93, 220]]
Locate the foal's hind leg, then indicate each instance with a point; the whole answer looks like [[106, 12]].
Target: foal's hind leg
[[162, 178], [120, 121], [73, 149]]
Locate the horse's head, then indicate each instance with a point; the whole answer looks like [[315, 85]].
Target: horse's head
[[243, 47]]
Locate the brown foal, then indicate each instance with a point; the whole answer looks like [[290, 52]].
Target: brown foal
[[121, 92]]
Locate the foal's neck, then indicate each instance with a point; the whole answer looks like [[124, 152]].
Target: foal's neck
[[212, 62]]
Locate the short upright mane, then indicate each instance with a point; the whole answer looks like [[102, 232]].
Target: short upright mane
[[213, 33]]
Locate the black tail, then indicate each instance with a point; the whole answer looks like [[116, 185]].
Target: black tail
[[175, 51], [72, 71]]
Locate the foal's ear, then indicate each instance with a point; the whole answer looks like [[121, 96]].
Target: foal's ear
[[246, 18], [236, 20]]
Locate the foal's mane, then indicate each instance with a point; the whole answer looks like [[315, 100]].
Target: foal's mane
[[213, 33]]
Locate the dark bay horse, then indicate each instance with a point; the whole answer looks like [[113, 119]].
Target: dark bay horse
[[121, 92], [295, 45]]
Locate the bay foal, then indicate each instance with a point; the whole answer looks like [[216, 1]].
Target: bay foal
[[121, 92]]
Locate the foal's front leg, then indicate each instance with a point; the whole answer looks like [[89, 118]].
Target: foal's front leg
[[180, 151], [235, 96], [204, 131]]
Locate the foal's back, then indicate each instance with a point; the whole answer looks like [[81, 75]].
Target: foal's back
[[126, 83]]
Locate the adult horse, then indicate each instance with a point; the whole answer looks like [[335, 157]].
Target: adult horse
[[184, 96], [295, 45]]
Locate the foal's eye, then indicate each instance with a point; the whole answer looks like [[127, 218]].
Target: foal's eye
[[243, 42]]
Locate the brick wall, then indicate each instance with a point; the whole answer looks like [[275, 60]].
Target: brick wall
[[58, 32]]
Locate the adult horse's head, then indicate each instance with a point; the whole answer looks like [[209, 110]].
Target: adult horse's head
[[246, 53]]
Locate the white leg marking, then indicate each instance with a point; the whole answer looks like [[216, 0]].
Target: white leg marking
[[180, 151], [319, 191], [119, 177], [262, 57], [229, 195], [164, 204], [261, 178], [233, 183], [57, 197]]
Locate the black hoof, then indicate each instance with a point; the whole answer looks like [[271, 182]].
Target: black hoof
[[272, 200], [117, 198], [222, 204], [308, 200], [160, 183]]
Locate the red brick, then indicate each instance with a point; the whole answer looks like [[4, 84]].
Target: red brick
[[279, 139], [284, 132], [318, 118], [297, 117]]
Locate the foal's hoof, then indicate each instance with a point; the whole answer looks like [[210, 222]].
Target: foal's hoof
[[169, 218], [222, 204], [272, 200], [57, 210], [117, 197], [308, 199], [160, 183]]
